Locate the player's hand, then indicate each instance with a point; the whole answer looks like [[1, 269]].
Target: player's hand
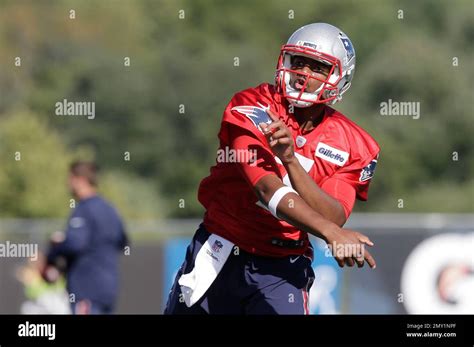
[[348, 247], [57, 237], [279, 138], [50, 273]]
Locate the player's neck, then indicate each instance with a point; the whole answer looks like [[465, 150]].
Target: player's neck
[[86, 193], [309, 117]]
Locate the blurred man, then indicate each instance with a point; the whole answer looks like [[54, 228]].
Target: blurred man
[[306, 165], [90, 247]]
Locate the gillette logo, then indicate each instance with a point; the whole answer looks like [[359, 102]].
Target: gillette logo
[[331, 154], [328, 153]]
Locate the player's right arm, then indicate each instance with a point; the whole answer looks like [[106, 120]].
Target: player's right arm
[[263, 175], [294, 210]]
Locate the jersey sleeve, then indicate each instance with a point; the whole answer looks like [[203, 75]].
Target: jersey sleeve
[[76, 238], [241, 132], [351, 182], [246, 110], [261, 161]]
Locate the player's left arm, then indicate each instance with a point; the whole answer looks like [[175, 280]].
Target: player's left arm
[[334, 199], [316, 197]]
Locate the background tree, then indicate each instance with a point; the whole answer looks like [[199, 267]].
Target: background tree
[[194, 55]]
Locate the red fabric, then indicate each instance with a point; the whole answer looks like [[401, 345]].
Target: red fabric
[[228, 192], [246, 142], [342, 191]]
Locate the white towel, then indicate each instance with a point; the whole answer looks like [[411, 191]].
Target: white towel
[[209, 262]]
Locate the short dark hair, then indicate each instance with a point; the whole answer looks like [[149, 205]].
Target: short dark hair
[[85, 169]]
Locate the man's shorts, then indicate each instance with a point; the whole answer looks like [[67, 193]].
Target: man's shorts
[[247, 284]]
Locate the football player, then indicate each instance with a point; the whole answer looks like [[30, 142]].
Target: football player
[[308, 164]]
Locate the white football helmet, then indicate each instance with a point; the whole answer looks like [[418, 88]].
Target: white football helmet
[[324, 43]]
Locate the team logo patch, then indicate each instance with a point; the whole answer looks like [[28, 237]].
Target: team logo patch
[[348, 47], [331, 154], [216, 247], [368, 172], [257, 114], [76, 222]]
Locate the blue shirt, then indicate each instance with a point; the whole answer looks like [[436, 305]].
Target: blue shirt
[[95, 238]]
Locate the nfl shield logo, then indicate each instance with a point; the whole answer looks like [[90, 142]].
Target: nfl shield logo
[[216, 247], [300, 141]]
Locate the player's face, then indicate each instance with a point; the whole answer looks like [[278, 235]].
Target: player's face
[[309, 66], [72, 183]]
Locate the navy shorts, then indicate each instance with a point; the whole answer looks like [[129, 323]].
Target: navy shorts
[[247, 284]]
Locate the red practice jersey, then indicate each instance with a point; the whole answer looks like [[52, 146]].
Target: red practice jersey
[[337, 154]]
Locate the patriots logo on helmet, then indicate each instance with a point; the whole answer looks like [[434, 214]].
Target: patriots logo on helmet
[[216, 247], [368, 172], [348, 47], [257, 114]]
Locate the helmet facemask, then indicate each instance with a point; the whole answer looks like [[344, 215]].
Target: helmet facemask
[[327, 92]]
